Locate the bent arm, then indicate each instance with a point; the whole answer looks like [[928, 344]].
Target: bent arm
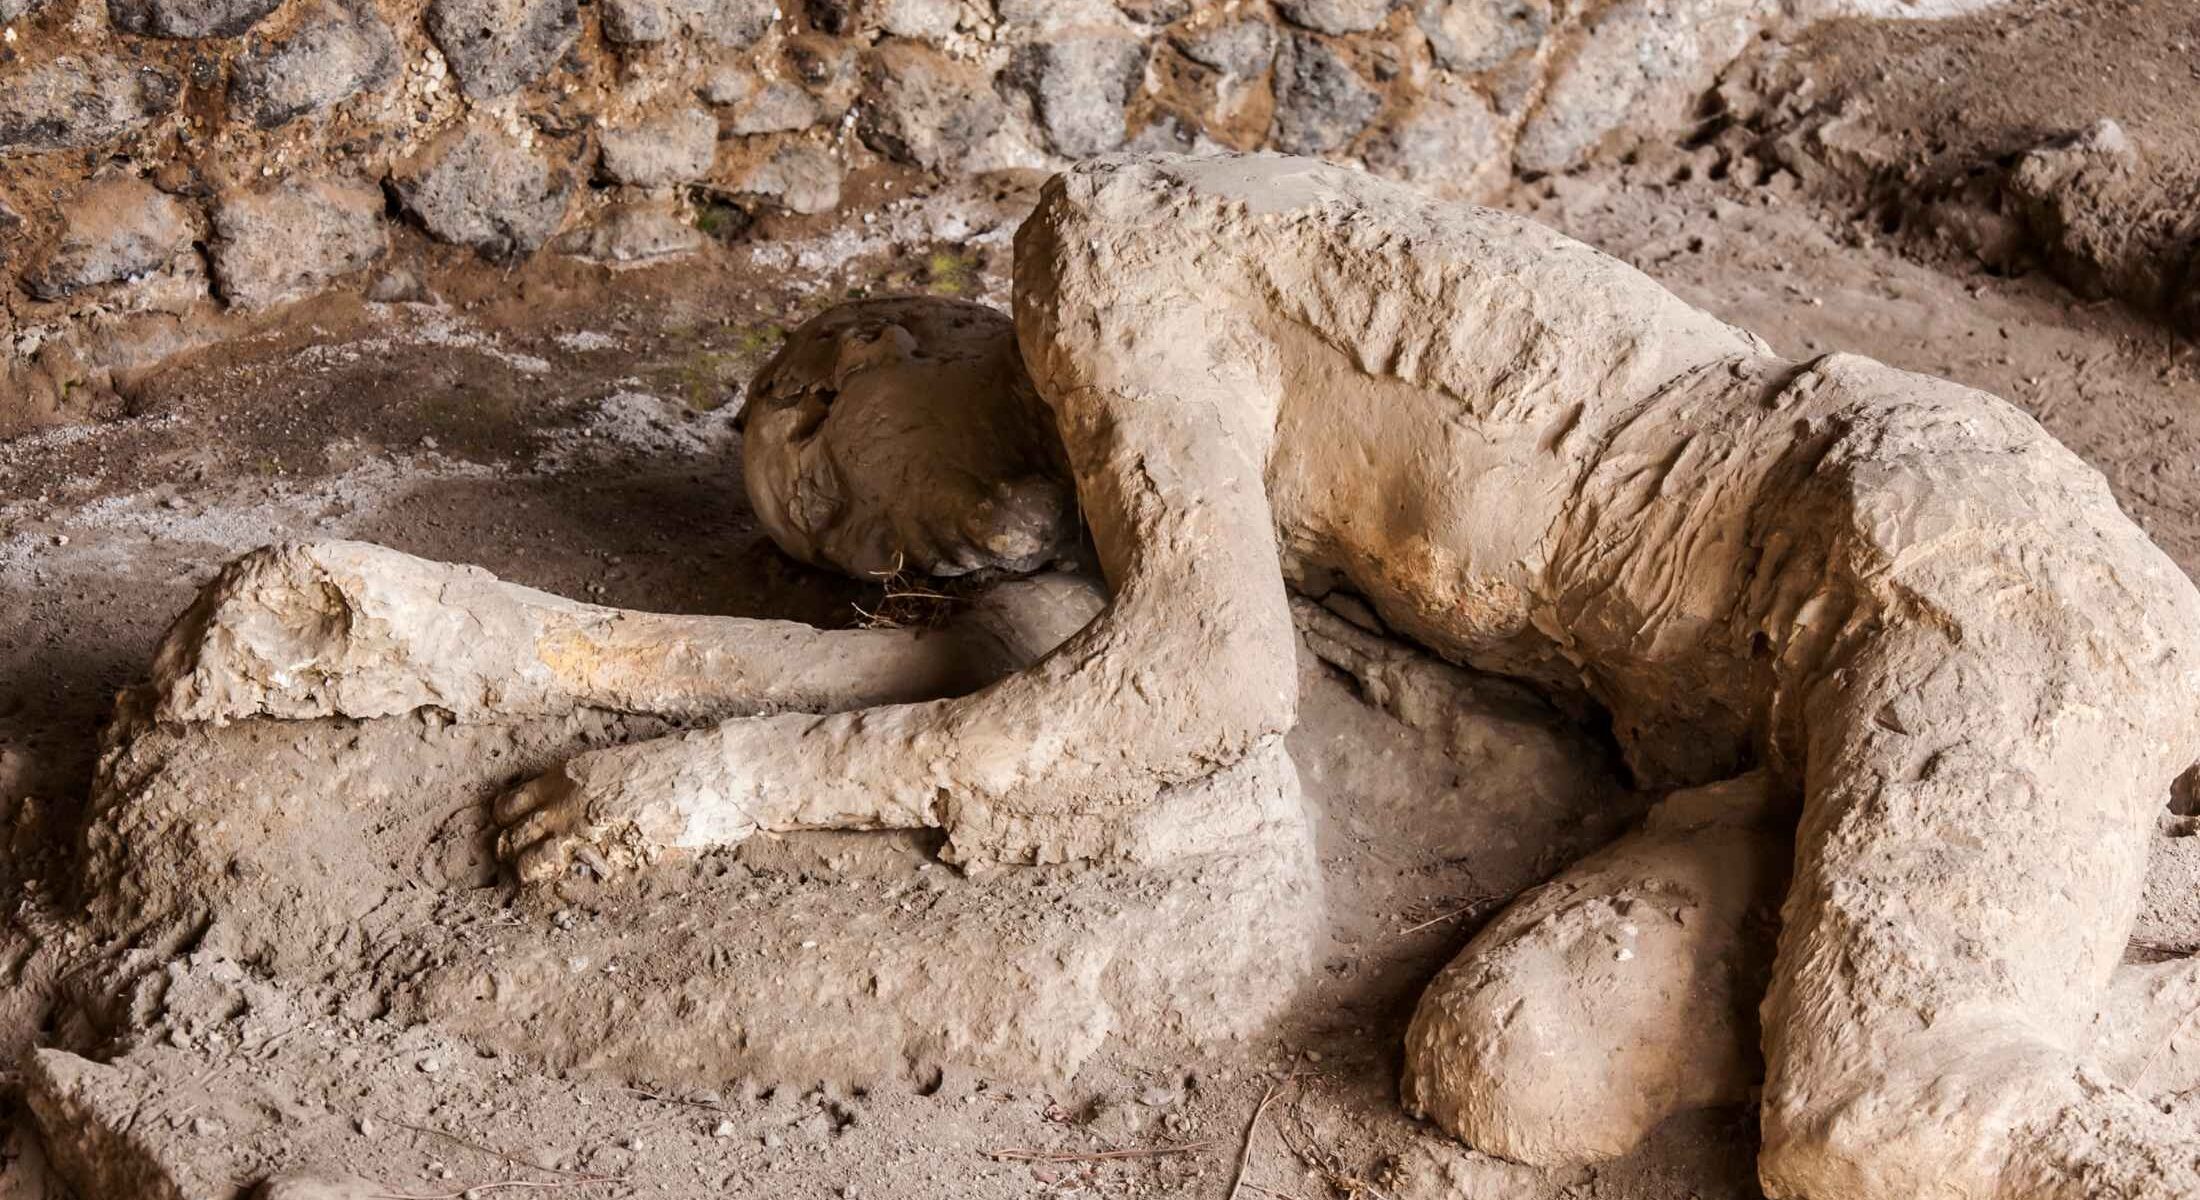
[[1190, 666]]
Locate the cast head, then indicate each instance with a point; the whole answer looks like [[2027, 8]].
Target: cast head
[[903, 435]]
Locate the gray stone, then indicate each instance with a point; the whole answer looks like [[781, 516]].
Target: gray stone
[[289, 241], [1025, 18], [1451, 144], [1471, 36], [1155, 12], [188, 18], [497, 47], [632, 233], [1079, 87], [1336, 16], [756, 105], [398, 286], [343, 49], [801, 177], [1321, 102], [675, 147], [1243, 49], [1169, 133], [735, 23], [13, 10], [923, 108], [636, 22], [932, 20], [118, 230], [476, 187], [70, 103], [1638, 63]]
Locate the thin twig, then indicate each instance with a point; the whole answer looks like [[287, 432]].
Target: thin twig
[[2165, 1046], [491, 1151], [649, 1095], [1440, 918], [501, 1185], [1252, 1130], [1072, 1156]]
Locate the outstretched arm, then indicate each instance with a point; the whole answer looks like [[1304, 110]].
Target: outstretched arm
[[347, 629], [1188, 668]]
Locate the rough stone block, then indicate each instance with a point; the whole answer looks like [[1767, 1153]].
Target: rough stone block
[[632, 234], [1471, 36], [1451, 144], [923, 108], [735, 23], [69, 103], [1079, 87], [497, 47], [343, 49], [188, 18], [676, 147], [117, 230], [1336, 16], [289, 241], [931, 20], [1636, 63], [1243, 49], [476, 187], [1321, 102], [757, 105], [636, 22], [801, 177]]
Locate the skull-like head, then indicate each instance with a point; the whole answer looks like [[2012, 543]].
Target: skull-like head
[[904, 435]]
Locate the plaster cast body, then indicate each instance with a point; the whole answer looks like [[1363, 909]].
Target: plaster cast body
[[1898, 599]]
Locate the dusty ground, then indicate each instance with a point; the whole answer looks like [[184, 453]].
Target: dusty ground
[[571, 432]]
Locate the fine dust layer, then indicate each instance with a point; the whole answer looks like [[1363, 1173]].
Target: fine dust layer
[[1925, 623], [311, 842]]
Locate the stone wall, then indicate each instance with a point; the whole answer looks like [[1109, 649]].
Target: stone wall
[[172, 169]]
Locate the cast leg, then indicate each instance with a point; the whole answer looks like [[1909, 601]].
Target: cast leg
[[1614, 996], [1985, 747]]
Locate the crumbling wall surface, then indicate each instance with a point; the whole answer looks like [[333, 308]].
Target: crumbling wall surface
[[172, 169]]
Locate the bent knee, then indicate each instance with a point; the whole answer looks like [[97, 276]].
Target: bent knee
[[1569, 1040]]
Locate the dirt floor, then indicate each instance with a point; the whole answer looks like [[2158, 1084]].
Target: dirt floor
[[571, 429]]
